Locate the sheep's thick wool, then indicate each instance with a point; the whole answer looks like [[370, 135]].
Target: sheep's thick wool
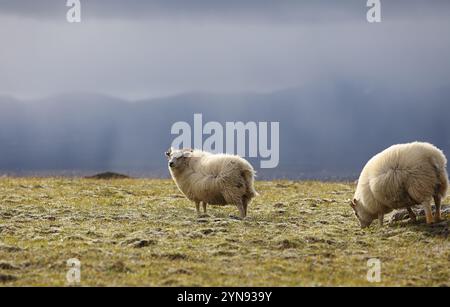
[[401, 176], [216, 179]]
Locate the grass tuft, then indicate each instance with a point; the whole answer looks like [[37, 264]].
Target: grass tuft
[[143, 233]]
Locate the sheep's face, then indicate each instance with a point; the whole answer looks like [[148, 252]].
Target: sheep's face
[[365, 218], [178, 159]]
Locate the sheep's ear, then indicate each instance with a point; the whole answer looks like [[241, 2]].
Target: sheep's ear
[[169, 152], [187, 154], [353, 203]]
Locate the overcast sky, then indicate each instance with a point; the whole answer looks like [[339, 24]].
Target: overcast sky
[[137, 49]]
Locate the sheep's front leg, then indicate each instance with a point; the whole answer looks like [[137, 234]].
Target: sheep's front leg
[[437, 202], [245, 204], [241, 208], [380, 219], [204, 207], [428, 212]]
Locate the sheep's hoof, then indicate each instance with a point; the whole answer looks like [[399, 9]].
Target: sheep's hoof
[[203, 215], [429, 219]]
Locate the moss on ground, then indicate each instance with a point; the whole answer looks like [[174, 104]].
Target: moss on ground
[[144, 233]]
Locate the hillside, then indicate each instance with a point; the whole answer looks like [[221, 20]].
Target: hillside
[[326, 132]]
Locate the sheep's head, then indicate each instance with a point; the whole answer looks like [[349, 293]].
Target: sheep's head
[[178, 158], [364, 217]]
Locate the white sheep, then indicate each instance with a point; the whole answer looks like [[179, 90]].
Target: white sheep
[[216, 179], [401, 176]]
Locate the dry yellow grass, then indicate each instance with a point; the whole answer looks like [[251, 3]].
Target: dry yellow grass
[[144, 233]]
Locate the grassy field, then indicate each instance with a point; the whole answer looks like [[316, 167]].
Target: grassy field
[[144, 233]]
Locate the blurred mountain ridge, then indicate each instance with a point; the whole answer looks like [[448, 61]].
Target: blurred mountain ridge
[[327, 131]]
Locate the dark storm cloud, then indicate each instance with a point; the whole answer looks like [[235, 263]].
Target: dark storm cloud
[[140, 48], [248, 10]]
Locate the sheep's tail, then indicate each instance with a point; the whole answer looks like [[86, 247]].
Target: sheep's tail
[[249, 176], [442, 176]]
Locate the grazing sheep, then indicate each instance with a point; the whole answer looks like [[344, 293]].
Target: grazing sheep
[[402, 176], [212, 179]]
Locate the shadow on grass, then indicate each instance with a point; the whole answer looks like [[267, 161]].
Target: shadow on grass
[[440, 229]]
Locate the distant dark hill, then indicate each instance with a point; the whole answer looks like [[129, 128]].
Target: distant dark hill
[[108, 176], [327, 131]]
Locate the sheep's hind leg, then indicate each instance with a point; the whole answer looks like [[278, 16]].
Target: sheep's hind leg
[[412, 215], [204, 207], [428, 212], [197, 206], [437, 215]]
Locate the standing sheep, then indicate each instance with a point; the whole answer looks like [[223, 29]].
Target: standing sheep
[[212, 179], [402, 176]]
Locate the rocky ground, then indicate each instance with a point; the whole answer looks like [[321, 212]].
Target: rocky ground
[[143, 232]]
